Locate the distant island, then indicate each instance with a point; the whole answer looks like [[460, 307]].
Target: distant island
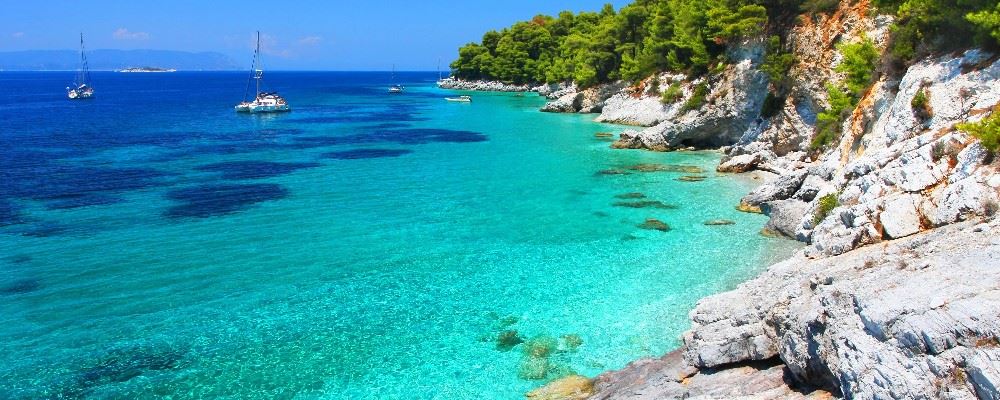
[[114, 60], [147, 69]]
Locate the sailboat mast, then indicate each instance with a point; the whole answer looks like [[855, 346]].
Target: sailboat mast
[[81, 78], [257, 72]]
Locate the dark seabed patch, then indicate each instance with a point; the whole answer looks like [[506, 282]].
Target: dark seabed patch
[[417, 136], [84, 200], [389, 125], [20, 287], [17, 259], [366, 153], [237, 170], [612, 171], [10, 214], [45, 229], [212, 200], [400, 136], [44, 180], [118, 366], [651, 167]]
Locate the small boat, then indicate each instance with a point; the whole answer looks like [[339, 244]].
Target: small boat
[[395, 88], [460, 99], [81, 88], [263, 102]]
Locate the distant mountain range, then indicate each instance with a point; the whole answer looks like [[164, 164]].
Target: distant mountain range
[[61, 60]]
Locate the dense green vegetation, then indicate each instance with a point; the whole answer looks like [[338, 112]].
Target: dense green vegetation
[[690, 36], [858, 65], [987, 130], [925, 27], [632, 43]]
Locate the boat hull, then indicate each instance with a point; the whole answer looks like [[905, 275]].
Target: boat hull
[[79, 95], [262, 109]]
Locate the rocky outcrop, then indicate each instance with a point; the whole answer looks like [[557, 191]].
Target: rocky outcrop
[[671, 377], [895, 321], [483, 85], [813, 42], [571, 99], [917, 318], [714, 111], [894, 173]]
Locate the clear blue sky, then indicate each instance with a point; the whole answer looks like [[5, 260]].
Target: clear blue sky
[[318, 35]]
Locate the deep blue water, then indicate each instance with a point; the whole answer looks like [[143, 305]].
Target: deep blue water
[[155, 243]]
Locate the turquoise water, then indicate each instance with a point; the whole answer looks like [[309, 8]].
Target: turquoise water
[[170, 248]]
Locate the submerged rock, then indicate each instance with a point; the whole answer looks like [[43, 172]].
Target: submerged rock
[[747, 208], [540, 346], [717, 222], [603, 135], [650, 167], [645, 204], [506, 340], [692, 178], [573, 387], [613, 171], [572, 341], [655, 224], [632, 195]]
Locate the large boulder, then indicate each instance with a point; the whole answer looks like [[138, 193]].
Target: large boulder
[[900, 217], [567, 103], [740, 163], [781, 188], [786, 216]]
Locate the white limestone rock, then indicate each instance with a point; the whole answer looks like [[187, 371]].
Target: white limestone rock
[[900, 217]]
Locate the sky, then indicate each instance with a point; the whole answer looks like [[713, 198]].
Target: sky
[[367, 35]]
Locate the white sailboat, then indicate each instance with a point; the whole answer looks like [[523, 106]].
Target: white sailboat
[[81, 88], [263, 102], [395, 88]]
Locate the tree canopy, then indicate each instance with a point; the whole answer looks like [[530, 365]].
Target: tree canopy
[[688, 36], [592, 47]]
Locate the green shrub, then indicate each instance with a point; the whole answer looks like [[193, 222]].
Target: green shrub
[[826, 205], [654, 87], [921, 105], [938, 150], [858, 64], [986, 130], [829, 121], [777, 63], [697, 98], [672, 94]]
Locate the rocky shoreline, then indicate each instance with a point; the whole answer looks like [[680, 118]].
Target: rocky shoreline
[[897, 293]]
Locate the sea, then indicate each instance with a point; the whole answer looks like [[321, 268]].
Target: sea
[[156, 244]]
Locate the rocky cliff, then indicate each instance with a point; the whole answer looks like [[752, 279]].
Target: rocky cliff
[[898, 293]]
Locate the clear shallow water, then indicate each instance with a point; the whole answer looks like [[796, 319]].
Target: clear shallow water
[[154, 243]]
